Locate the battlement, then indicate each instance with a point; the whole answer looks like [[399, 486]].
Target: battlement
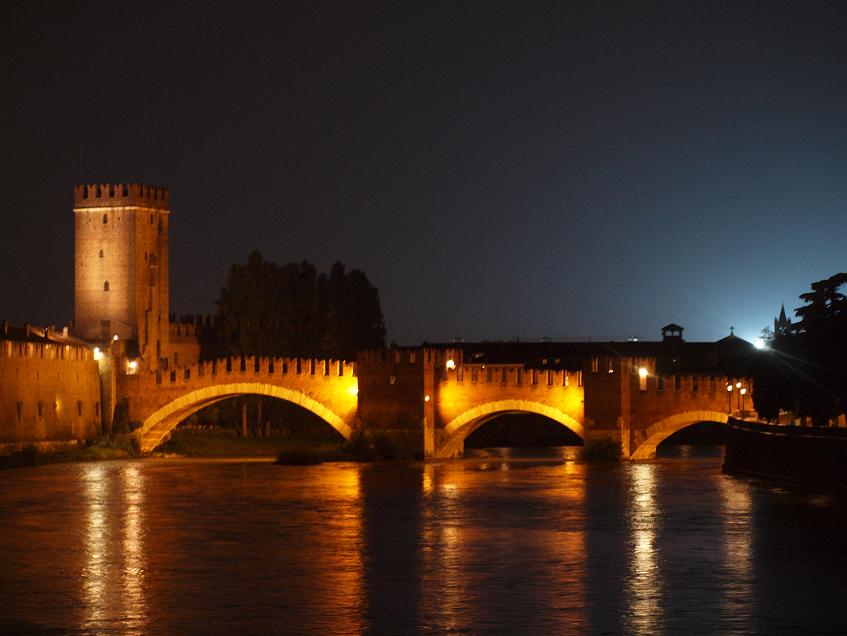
[[121, 194], [188, 325]]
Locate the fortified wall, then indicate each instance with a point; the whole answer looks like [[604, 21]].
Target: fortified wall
[[49, 388]]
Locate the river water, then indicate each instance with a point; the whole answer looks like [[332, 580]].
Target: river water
[[533, 545]]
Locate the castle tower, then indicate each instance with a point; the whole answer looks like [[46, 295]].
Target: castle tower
[[121, 268]]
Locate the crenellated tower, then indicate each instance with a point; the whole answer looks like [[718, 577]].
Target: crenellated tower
[[121, 268]]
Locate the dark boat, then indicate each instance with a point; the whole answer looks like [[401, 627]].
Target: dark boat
[[799, 453]]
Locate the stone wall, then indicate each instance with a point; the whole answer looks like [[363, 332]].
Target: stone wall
[[49, 393]]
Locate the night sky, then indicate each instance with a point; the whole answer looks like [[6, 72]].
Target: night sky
[[498, 170]]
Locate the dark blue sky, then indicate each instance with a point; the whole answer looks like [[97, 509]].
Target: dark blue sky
[[497, 169]]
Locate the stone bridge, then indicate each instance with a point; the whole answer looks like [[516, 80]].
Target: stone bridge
[[160, 400], [427, 398]]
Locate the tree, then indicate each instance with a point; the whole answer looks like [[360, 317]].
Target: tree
[[806, 371], [267, 309]]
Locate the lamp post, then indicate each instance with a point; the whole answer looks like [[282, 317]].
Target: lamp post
[[738, 399], [743, 393], [729, 399]]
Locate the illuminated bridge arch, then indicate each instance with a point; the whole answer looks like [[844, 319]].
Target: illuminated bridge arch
[[661, 430], [157, 425], [460, 427]]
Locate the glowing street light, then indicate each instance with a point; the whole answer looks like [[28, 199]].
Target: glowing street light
[[132, 367], [729, 400], [98, 355], [451, 364], [743, 393], [642, 372]]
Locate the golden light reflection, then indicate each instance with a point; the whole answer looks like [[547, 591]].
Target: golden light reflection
[[644, 584], [459, 547], [113, 550], [134, 604], [96, 564], [737, 544]]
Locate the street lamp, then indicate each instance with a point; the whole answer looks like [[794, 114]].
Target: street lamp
[[729, 399], [738, 399], [743, 393]]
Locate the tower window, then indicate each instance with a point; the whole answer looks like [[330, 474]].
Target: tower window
[[101, 253], [105, 219], [106, 286]]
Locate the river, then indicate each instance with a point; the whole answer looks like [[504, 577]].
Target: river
[[531, 544]]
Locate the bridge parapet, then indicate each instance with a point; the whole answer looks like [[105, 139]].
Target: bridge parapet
[[159, 400], [660, 405]]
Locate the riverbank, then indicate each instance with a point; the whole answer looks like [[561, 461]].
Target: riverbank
[[103, 449]]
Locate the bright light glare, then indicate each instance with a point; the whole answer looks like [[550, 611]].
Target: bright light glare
[[642, 372], [426, 398], [353, 390], [744, 391], [729, 387], [451, 364], [132, 365], [115, 337], [759, 343], [98, 355]]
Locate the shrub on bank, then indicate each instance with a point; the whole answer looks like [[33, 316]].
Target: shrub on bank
[[601, 450], [103, 448]]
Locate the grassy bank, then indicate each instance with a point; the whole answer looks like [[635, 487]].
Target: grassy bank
[[218, 442], [118, 447]]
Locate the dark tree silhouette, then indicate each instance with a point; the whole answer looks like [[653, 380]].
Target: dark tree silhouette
[[267, 309], [806, 370]]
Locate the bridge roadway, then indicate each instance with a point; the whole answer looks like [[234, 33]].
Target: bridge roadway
[[421, 395]]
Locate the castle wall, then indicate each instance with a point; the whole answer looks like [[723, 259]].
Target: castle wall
[[184, 344], [49, 393]]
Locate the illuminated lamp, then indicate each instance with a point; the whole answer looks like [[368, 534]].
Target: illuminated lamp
[[451, 364]]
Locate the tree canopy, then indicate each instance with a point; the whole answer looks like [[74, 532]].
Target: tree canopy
[[805, 371], [267, 309]]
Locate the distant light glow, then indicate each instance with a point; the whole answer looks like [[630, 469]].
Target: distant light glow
[[98, 355], [451, 364], [760, 343], [744, 391], [115, 337], [353, 390], [729, 387], [132, 367], [426, 398], [642, 372]]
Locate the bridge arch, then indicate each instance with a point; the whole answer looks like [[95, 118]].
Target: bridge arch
[[661, 430], [157, 425], [458, 429]]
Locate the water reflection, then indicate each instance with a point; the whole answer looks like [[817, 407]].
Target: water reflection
[[96, 568], [644, 585], [132, 481], [113, 570], [738, 559], [524, 549], [455, 546]]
